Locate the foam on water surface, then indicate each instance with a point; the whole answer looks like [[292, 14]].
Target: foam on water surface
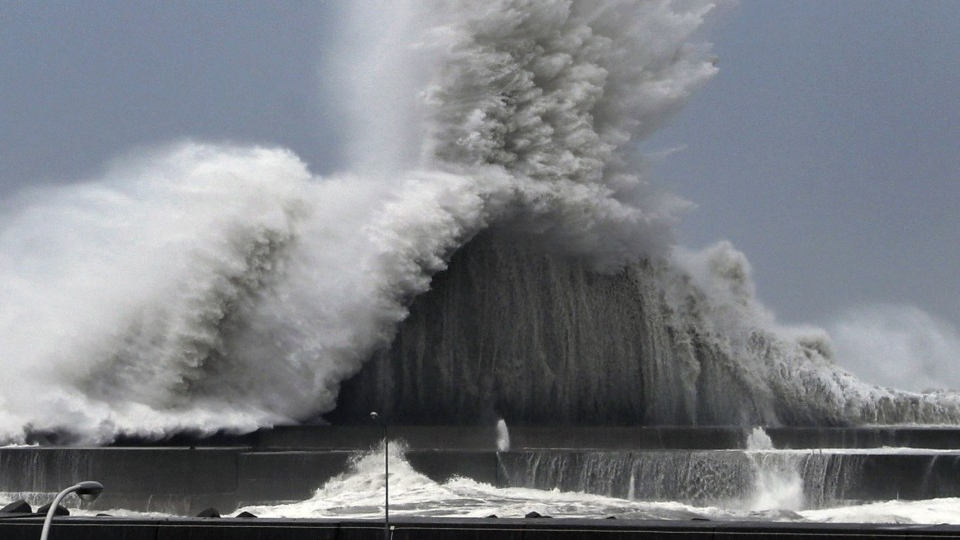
[[359, 493]]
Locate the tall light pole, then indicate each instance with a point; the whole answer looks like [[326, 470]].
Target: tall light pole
[[386, 475], [88, 491]]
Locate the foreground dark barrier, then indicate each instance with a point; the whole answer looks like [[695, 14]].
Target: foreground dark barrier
[[105, 528]]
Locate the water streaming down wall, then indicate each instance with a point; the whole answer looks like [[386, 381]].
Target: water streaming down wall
[[511, 330], [735, 477]]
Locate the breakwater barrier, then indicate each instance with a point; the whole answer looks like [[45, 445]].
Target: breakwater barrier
[[684, 464]]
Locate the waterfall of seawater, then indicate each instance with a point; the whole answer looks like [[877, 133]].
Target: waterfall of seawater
[[512, 329], [777, 482], [753, 480]]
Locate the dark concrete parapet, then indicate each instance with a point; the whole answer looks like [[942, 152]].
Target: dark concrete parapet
[[363, 437], [944, 438], [353, 437], [172, 480], [453, 529], [628, 437], [905, 476], [270, 477]]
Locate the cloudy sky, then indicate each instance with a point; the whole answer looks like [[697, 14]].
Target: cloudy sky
[[827, 149]]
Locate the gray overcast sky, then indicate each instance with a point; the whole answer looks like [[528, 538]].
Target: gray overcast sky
[[826, 149]]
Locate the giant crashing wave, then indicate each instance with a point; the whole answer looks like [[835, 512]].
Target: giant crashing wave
[[202, 287], [514, 331]]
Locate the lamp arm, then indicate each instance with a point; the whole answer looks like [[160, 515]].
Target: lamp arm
[[53, 510]]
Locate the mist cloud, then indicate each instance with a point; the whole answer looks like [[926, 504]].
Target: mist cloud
[[900, 346]]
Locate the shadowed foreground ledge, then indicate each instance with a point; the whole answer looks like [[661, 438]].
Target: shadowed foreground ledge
[[107, 528]]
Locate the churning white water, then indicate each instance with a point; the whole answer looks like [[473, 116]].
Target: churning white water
[[777, 482], [359, 493]]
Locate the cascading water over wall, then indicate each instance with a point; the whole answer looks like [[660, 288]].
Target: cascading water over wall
[[535, 337], [725, 478]]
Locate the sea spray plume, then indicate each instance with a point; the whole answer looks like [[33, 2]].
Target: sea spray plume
[[377, 67], [114, 290], [207, 287], [789, 371], [231, 289], [554, 92], [899, 346], [777, 483]]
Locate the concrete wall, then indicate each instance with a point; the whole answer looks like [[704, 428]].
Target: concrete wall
[[185, 481], [289, 464], [352, 437], [171, 480]]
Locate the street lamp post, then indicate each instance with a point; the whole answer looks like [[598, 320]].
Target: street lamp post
[[386, 475], [88, 491]]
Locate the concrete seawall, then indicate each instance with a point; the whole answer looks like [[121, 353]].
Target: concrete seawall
[[290, 464], [184, 481]]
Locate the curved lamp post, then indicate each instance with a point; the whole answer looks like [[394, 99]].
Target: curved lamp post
[[88, 491], [386, 476]]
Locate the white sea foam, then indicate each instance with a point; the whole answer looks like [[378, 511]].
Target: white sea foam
[[777, 482], [359, 493], [929, 511]]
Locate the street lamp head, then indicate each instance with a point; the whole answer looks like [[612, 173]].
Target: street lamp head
[[89, 490]]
